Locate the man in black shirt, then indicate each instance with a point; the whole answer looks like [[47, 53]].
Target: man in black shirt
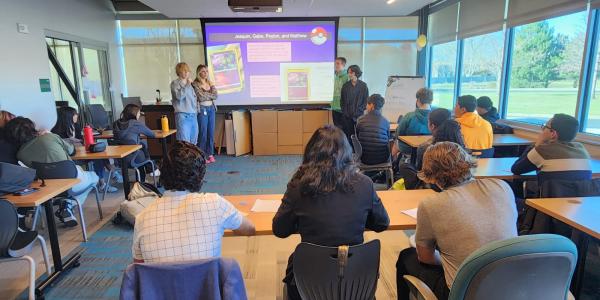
[[354, 100]]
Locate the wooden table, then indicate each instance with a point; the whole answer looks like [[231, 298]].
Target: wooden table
[[159, 134], [582, 215], [51, 189], [500, 168], [414, 141], [394, 202], [114, 152]]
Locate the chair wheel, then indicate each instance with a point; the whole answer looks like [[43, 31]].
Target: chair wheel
[[39, 295], [76, 264]]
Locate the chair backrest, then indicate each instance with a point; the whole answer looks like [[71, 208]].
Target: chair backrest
[[526, 267], [98, 116], [210, 279], [57, 170], [357, 146], [337, 272], [9, 224]]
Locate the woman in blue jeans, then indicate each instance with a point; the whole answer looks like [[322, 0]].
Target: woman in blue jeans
[[185, 104], [206, 93]]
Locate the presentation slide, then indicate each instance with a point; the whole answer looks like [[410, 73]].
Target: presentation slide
[[269, 63]]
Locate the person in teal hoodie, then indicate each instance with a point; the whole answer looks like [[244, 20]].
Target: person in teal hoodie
[[414, 123]]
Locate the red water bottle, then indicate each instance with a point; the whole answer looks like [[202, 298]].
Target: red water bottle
[[88, 136]]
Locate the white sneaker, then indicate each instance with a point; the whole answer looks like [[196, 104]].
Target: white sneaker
[[156, 173]]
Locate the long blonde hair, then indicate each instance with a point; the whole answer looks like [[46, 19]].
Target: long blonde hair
[[198, 78]]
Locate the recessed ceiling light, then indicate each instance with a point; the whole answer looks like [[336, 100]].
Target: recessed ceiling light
[[390, 1]]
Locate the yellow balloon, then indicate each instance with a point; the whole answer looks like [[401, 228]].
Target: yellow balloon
[[421, 41]]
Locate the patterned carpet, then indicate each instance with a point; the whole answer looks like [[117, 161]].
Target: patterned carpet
[[108, 251]]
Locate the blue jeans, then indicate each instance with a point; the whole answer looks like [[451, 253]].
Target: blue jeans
[[187, 127], [206, 124]]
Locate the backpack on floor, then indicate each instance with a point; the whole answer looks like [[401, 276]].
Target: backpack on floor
[[142, 194]]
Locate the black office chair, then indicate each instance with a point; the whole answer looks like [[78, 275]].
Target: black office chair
[[16, 243], [337, 272], [98, 116], [385, 167], [63, 170]]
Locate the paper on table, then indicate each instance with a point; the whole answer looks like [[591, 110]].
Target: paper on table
[[265, 205], [411, 212]]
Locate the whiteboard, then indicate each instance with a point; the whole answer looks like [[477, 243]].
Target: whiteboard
[[400, 96]]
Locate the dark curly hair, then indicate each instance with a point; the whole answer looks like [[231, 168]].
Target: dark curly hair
[[20, 130], [327, 165], [184, 168]]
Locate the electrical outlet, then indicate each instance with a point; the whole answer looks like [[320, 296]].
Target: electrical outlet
[[22, 28]]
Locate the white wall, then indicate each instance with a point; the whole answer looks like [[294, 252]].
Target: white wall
[[24, 58]]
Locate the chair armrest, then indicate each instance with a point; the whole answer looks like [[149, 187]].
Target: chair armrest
[[415, 283]]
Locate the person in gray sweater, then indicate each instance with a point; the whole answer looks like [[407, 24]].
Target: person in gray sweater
[[185, 104]]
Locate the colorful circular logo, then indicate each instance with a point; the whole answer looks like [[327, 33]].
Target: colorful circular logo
[[318, 36]]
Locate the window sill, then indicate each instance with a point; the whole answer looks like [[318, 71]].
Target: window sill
[[586, 138]]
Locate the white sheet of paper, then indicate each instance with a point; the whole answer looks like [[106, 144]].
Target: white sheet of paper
[[411, 212], [266, 205]]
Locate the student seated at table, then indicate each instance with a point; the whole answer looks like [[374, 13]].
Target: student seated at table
[[185, 224], [451, 225], [414, 123], [554, 154], [477, 132], [447, 131], [373, 132], [486, 109], [128, 129], [8, 150], [68, 128], [47, 147], [327, 201]]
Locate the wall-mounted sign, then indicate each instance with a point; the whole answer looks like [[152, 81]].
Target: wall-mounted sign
[[44, 85]]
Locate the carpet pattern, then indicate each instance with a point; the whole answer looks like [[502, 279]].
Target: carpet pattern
[[108, 251]]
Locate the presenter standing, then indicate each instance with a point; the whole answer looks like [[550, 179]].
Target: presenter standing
[[353, 100], [185, 104], [206, 93], [341, 77]]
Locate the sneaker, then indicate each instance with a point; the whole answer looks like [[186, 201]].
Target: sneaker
[[111, 189], [65, 214], [155, 173], [211, 159], [116, 175]]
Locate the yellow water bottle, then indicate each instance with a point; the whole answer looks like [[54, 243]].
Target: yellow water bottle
[[164, 123]]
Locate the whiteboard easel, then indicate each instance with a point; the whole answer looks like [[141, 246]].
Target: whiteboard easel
[[400, 95]]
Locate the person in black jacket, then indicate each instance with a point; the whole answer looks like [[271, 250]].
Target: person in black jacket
[[486, 109], [327, 201], [373, 132], [353, 100], [8, 150]]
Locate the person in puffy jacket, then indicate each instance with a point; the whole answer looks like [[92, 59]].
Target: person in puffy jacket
[[477, 132], [414, 123], [373, 132]]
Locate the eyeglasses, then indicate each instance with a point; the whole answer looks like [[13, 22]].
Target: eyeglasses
[[547, 127]]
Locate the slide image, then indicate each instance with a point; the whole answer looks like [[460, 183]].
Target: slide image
[[226, 68], [297, 84], [306, 82]]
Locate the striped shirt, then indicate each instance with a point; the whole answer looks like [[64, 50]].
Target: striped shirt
[[556, 159]]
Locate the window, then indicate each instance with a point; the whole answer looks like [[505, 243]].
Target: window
[[482, 66], [375, 44], [443, 67], [592, 124], [546, 65], [151, 51]]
